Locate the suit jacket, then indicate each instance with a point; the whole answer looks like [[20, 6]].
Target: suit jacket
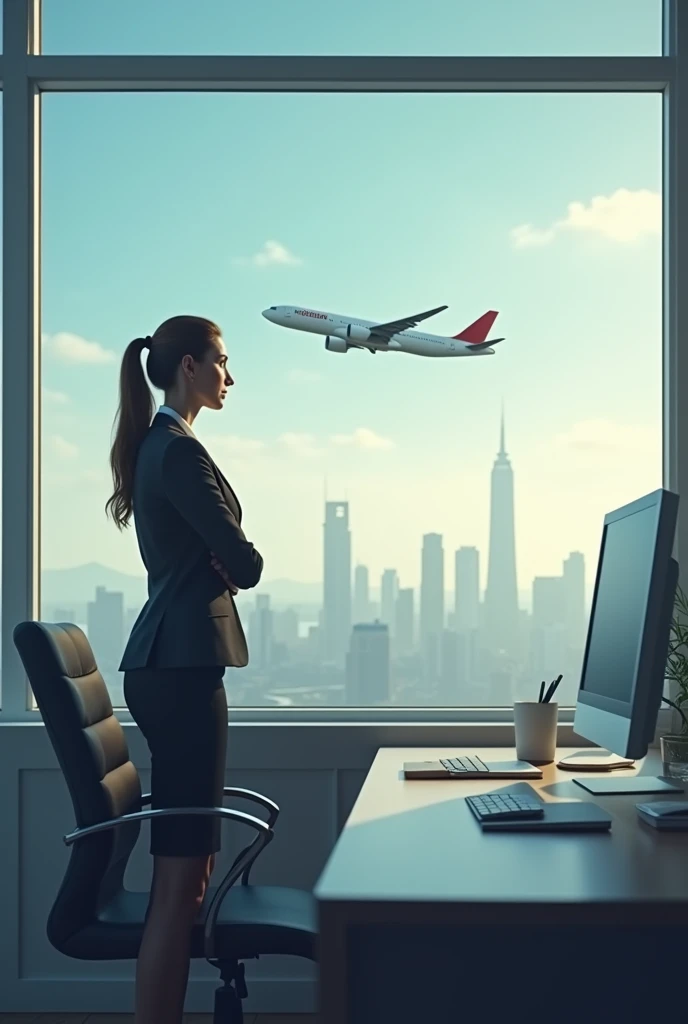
[[184, 508]]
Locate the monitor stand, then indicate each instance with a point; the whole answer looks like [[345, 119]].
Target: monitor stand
[[594, 760]]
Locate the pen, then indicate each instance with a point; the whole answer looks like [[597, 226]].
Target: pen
[[552, 688], [542, 690]]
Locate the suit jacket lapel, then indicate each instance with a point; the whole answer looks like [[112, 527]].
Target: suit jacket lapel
[[230, 497]]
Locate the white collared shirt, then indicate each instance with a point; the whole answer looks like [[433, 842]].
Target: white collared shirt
[[175, 416]]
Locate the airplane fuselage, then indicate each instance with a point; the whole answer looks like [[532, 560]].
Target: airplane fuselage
[[352, 330]]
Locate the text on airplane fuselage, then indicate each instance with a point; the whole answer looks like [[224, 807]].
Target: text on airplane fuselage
[[307, 312]]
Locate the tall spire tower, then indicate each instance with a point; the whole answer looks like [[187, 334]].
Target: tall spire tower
[[501, 595], [336, 582]]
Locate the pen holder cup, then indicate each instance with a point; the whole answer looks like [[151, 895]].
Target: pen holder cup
[[535, 729]]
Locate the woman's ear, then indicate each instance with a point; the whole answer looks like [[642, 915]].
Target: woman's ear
[[188, 367]]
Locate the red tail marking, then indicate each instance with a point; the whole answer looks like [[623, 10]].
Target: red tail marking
[[478, 331]]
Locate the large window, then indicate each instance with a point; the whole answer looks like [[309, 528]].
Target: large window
[[354, 27], [430, 526]]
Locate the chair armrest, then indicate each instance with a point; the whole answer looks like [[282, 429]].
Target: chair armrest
[[258, 824], [256, 798], [245, 794]]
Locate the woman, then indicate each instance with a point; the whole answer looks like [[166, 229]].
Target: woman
[[187, 521]]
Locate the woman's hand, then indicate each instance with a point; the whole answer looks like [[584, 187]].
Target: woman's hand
[[220, 569]]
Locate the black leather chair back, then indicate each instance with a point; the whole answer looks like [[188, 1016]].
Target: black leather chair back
[[92, 751]]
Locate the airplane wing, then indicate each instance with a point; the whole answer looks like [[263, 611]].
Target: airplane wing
[[388, 330]]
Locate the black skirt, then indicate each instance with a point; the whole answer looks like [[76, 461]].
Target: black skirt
[[182, 712]]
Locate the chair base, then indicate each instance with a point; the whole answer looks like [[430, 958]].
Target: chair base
[[230, 994]]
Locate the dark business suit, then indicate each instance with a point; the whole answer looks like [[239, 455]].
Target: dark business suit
[[183, 509], [188, 630]]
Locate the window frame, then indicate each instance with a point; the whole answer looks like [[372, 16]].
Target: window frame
[[25, 74]]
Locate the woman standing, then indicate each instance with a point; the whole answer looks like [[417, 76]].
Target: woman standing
[[188, 527]]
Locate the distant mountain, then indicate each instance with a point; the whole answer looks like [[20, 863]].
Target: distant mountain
[[77, 585]]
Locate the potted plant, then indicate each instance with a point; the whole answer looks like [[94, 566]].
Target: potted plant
[[674, 746]]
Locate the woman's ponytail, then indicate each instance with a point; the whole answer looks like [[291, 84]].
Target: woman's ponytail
[[134, 415], [176, 337]]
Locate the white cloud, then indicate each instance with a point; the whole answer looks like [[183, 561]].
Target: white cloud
[[304, 376], [55, 397], [71, 348], [303, 445], [62, 448], [624, 216], [271, 254], [362, 437]]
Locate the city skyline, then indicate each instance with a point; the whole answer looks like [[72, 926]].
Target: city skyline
[[364, 584], [406, 647]]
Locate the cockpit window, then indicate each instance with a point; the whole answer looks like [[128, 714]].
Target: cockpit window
[[273, 307]]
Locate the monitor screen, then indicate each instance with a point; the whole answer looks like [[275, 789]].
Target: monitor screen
[[618, 617]]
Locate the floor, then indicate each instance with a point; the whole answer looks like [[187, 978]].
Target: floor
[[126, 1018]]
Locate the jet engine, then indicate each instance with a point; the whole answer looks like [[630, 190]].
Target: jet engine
[[336, 345], [353, 332]]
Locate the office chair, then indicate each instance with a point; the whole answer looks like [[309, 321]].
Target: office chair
[[94, 917]]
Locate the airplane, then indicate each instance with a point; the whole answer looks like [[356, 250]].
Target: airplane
[[345, 332]]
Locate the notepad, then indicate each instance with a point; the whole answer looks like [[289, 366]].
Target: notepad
[[628, 784]]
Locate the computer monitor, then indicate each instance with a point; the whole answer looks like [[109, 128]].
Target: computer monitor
[[624, 663]]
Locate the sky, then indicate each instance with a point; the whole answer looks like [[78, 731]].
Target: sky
[[357, 27], [544, 207]]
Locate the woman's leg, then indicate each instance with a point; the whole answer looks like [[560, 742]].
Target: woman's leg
[[183, 715], [162, 970]]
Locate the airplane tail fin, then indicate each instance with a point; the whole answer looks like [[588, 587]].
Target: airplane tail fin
[[477, 332]]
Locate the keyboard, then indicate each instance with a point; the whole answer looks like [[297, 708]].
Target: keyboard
[[503, 807], [459, 765]]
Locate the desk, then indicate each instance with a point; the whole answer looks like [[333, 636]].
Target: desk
[[425, 918]]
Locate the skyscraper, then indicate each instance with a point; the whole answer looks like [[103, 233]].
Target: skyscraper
[[361, 594], [450, 668], [501, 595], [105, 627], [336, 582], [261, 633], [467, 614], [285, 626], [576, 623], [431, 601], [404, 627], [467, 589], [389, 586], [548, 628], [367, 665], [574, 586]]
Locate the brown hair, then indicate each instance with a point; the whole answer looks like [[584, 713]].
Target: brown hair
[[175, 338]]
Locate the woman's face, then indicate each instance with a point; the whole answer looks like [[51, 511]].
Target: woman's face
[[211, 378]]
